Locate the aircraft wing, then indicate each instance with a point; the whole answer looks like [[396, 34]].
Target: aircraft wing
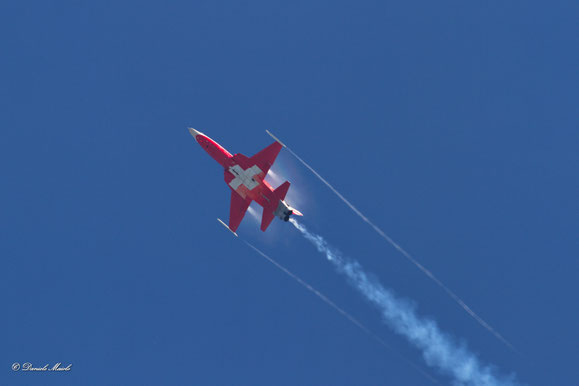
[[265, 158], [237, 210]]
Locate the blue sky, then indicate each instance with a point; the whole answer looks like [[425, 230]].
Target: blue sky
[[452, 125]]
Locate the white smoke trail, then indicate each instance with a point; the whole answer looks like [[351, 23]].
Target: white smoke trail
[[253, 213], [274, 177], [438, 349], [326, 300], [452, 295]]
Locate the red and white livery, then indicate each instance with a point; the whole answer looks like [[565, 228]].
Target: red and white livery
[[245, 176]]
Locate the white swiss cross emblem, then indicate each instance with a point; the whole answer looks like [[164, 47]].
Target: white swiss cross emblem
[[244, 177]]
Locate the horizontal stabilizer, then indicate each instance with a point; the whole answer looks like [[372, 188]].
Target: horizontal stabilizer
[[267, 217], [280, 192]]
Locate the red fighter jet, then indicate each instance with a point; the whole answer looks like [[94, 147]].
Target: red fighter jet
[[245, 176]]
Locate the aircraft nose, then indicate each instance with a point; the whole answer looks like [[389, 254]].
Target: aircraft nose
[[194, 132]]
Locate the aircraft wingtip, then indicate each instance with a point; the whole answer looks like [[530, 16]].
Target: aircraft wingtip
[[274, 137], [225, 225]]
